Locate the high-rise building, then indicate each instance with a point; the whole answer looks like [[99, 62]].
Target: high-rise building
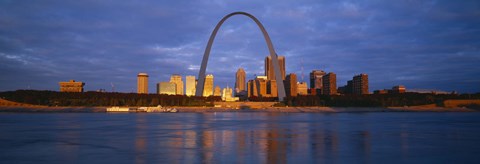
[[177, 79], [142, 83], [169, 88], [316, 79], [329, 84], [217, 91], [291, 85], [302, 88], [258, 87], [360, 84], [71, 86], [272, 89], [240, 80], [208, 87], [190, 85], [270, 72]]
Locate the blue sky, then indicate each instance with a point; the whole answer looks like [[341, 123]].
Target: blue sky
[[419, 44]]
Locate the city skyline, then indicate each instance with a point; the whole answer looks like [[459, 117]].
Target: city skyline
[[421, 45]]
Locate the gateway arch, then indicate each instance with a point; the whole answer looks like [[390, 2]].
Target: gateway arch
[[273, 55]]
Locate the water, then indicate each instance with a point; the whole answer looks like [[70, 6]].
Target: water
[[243, 137]]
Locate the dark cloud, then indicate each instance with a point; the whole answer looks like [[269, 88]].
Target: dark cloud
[[420, 44]]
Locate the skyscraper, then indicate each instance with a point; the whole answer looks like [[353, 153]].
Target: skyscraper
[[240, 80], [190, 85], [360, 84], [177, 79], [329, 84], [142, 83], [316, 79], [291, 85], [270, 72], [208, 87]]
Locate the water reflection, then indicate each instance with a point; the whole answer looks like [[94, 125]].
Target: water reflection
[[238, 138]]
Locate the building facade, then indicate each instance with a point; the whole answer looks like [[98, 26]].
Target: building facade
[[270, 72], [240, 77], [316, 79], [217, 91], [142, 83], [291, 85], [169, 88], [208, 87], [329, 84], [177, 79], [71, 86], [302, 88], [360, 84], [190, 85]]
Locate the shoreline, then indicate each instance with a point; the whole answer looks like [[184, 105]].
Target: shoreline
[[46, 109]]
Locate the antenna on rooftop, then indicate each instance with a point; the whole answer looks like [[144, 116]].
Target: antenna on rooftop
[[113, 86], [301, 63]]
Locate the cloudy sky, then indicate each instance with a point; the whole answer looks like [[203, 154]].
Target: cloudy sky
[[419, 44]]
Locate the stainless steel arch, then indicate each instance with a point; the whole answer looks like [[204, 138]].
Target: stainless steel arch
[[273, 55]]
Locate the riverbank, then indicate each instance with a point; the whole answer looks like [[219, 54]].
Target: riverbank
[[44, 109]]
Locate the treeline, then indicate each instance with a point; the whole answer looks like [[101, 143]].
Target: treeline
[[53, 98], [376, 100]]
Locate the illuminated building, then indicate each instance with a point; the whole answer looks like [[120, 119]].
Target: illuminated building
[[177, 79], [291, 85], [71, 86], [269, 72], [142, 83], [208, 87], [169, 88], [217, 91], [240, 80], [302, 88], [190, 85], [329, 84], [316, 79]]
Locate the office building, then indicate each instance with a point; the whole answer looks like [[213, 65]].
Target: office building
[[360, 84], [142, 83], [272, 89], [240, 80], [169, 88], [269, 72], [302, 88], [217, 91], [291, 85], [190, 85], [329, 84], [208, 87], [177, 79], [71, 86], [316, 79]]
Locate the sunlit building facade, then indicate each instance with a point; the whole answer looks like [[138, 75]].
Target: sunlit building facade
[[270, 72], [329, 84], [177, 79], [190, 85], [208, 87], [71, 86], [240, 78], [291, 85], [169, 88], [142, 83]]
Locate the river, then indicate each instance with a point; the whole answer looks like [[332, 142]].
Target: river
[[240, 137]]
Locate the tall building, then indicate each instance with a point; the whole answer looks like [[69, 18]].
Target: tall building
[[208, 87], [360, 84], [269, 72], [302, 88], [142, 83], [71, 86], [272, 89], [258, 87], [177, 79], [217, 91], [190, 85], [169, 88], [291, 85], [329, 84], [240, 80], [316, 79]]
